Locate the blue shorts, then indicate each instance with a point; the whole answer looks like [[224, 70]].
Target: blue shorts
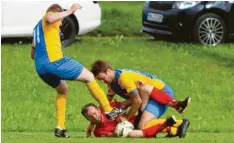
[[158, 109], [62, 69]]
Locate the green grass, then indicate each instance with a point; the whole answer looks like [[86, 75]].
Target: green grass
[[47, 137], [120, 18], [204, 73]]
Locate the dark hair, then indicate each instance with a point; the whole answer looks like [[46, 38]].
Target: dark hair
[[84, 110], [54, 8], [99, 66]]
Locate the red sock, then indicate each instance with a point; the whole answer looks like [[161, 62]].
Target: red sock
[[162, 97], [152, 131]]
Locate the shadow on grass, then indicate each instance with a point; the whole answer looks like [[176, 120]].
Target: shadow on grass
[[21, 40], [26, 40], [198, 50]]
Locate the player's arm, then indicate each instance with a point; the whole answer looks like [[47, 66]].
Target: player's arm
[[128, 84], [110, 94], [136, 103], [54, 17], [89, 129], [126, 103], [32, 50]]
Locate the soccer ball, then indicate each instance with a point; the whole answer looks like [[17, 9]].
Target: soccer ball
[[123, 128]]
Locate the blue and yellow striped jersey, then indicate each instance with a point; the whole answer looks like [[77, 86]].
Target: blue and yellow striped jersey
[[47, 42], [126, 81]]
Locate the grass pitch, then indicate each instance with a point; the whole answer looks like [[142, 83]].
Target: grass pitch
[[204, 73]]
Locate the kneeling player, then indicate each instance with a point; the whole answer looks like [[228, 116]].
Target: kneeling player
[[123, 82]]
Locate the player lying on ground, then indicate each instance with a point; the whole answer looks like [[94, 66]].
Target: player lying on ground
[[124, 83], [106, 128], [53, 68]]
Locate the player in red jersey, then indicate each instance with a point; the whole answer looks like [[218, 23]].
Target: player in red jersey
[[106, 128]]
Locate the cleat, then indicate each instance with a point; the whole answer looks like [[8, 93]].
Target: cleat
[[58, 132], [183, 128], [171, 121], [181, 106], [115, 113]]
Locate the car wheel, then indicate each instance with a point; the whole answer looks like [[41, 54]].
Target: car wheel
[[210, 29], [68, 32]]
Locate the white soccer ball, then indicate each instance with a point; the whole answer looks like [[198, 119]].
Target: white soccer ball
[[123, 128]]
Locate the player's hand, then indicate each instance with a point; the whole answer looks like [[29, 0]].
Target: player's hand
[[89, 130], [121, 118], [74, 7], [140, 84], [125, 104], [144, 89]]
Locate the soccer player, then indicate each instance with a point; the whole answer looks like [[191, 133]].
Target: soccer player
[[124, 83], [106, 128], [53, 67]]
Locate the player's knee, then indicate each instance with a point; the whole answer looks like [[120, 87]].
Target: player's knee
[[89, 77], [141, 125], [63, 89]]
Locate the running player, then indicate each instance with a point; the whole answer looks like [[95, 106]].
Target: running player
[[53, 67]]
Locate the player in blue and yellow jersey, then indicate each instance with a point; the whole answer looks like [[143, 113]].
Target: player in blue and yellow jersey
[[53, 67], [125, 83]]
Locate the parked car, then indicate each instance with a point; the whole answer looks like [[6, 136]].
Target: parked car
[[19, 18], [208, 22]]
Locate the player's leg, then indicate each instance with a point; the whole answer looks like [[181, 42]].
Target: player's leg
[[153, 130], [60, 104], [47, 75], [166, 96], [178, 129], [152, 111], [181, 129], [171, 131], [147, 115], [144, 91], [97, 93], [136, 134], [69, 69]]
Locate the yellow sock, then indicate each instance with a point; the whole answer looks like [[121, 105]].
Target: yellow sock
[[99, 95], [178, 123], [60, 103], [173, 131], [159, 121], [154, 122]]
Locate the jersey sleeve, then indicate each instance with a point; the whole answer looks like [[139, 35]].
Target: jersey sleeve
[[127, 83], [55, 24]]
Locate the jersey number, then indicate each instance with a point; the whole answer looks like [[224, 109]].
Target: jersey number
[[36, 35]]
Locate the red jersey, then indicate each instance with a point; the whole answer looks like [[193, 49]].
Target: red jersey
[[108, 126]]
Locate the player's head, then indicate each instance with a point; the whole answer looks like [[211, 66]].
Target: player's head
[[103, 71], [54, 8], [92, 113]]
